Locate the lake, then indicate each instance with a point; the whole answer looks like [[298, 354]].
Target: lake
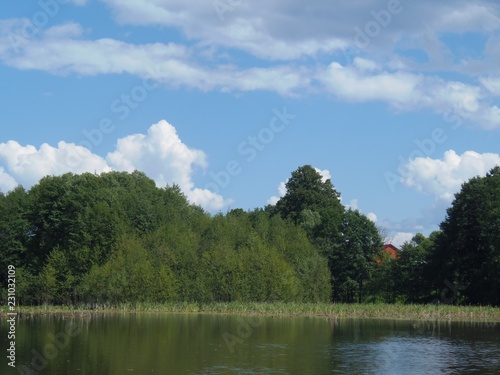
[[150, 343]]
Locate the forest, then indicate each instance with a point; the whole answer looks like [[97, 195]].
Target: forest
[[118, 238]]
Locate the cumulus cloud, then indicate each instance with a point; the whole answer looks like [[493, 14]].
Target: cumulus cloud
[[7, 182], [163, 156], [444, 177], [325, 174], [281, 193], [26, 165], [400, 238], [160, 153]]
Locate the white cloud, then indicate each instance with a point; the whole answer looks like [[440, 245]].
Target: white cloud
[[291, 29], [297, 56], [466, 101], [265, 30], [166, 159], [444, 177], [7, 182], [492, 84], [353, 204], [63, 50], [400, 238], [159, 153], [208, 199], [325, 174], [27, 164], [362, 82], [353, 83], [365, 64], [281, 190]]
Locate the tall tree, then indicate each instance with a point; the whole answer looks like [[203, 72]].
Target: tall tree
[[468, 250], [312, 203], [14, 230], [353, 261], [410, 268]]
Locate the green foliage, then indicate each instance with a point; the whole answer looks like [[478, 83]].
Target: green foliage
[[353, 260], [312, 203], [117, 238], [130, 275], [468, 249], [14, 230], [410, 269], [383, 286]]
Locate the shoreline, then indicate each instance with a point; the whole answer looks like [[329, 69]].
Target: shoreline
[[275, 309]]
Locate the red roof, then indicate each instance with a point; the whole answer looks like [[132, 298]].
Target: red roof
[[392, 250]]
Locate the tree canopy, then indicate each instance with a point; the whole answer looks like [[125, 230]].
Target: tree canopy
[[116, 237], [468, 249]]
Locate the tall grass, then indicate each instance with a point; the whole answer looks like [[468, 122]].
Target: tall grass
[[332, 311]]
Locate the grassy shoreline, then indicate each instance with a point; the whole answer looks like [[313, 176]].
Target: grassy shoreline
[[332, 311]]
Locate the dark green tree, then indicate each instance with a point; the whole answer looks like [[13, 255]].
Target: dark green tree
[[14, 230], [468, 249], [353, 260], [312, 203], [411, 276]]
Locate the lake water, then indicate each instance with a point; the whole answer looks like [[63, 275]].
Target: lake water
[[148, 343]]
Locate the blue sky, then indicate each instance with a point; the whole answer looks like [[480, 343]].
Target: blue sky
[[396, 101]]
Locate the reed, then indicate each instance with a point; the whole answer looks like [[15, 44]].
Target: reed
[[397, 311]]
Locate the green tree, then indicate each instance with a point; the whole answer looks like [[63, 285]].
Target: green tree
[[384, 282], [292, 242], [353, 261], [116, 237], [314, 205], [468, 249], [412, 281], [131, 275], [311, 202], [14, 230], [56, 280]]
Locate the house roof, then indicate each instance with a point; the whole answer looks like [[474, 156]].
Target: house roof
[[391, 249]]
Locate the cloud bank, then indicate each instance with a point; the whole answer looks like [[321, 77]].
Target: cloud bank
[[289, 48], [159, 153], [444, 177]]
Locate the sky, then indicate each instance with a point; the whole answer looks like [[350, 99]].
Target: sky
[[396, 101]]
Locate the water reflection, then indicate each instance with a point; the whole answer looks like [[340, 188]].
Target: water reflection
[[217, 344], [401, 347]]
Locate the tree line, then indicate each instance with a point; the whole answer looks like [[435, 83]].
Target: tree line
[[117, 238]]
